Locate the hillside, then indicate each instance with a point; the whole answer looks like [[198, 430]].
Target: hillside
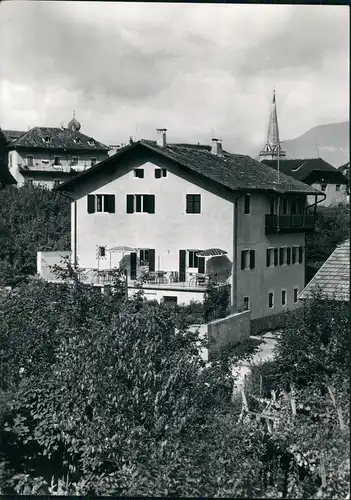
[[332, 141]]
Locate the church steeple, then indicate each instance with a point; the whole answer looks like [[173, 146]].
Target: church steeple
[[272, 148]]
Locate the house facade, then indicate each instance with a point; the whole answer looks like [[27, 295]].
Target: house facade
[[48, 156], [317, 173], [152, 207]]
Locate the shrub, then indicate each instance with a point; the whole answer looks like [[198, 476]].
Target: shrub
[[216, 301]]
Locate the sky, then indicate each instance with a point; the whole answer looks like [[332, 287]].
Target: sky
[[196, 69]]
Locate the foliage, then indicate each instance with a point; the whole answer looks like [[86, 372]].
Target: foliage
[[32, 219], [314, 343], [216, 300], [332, 228], [116, 396]]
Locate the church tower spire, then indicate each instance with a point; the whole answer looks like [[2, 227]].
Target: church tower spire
[[272, 148]]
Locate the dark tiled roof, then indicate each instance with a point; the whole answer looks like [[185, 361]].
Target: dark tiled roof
[[333, 278], [6, 177], [302, 168], [12, 135], [60, 138], [235, 172]]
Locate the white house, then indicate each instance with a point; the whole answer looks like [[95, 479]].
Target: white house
[[164, 203]]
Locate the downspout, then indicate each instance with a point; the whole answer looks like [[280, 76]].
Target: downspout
[[75, 228], [235, 256]]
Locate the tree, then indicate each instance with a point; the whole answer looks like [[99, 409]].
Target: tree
[[32, 219], [116, 395]]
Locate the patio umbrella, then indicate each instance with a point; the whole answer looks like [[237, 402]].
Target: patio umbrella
[[211, 252], [123, 248]]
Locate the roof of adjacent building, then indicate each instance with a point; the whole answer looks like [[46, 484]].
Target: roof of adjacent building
[[12, 135], [333, 278], [302, 168], [233, 171], [59, 138]]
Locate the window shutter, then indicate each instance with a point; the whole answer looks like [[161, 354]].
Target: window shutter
[[288, 255], [158, 173], [151, 259], [281, 256], [197, 204], [130, 203], [109, 203], [133, 265], [201, 265], [247, 200], [243, 259], [276, 256], [300, 255], [189, 203], [151, 203], [182, 263], [252, 259], [268, 257], [91, 203]]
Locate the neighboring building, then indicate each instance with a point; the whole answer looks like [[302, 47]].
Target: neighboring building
[[5, 176], [317, 173], [272, 149], [333, 278], [345, 170], [49, 155], [167, 202]]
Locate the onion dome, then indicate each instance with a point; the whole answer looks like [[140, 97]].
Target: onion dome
[[74, 123]]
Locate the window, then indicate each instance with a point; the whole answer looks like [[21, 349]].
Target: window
[[75, 160], [56, 183], [29, 182], [247, 207], [160, 172], [91, 142], [101, 252], [300, 255], [193, 203], [282, 256], [288, 255], [30, 161], [10, 160], [92, 162], [337, 187], [247, 259], [57, 160], [140, 203], [193, 260], [47, 139], [246, 303], [323, 187], [77, 140], [296, 293], [294, 255], [101, 203], [144, 257], [139, 173], [283, 297], [271, 300]]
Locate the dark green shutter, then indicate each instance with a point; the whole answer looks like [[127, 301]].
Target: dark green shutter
[[276, 256], [243, 259], [182, 263], [252, 259], [300, 255], [133, 265], [91, 203], [268, 257], [201, 265], [288, 255], [281, 256], [158, 173], [109, 203], [151, 203], [189, 204], [151, 259], [130, 203]]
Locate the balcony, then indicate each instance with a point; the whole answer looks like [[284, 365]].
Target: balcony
[[289, 223]]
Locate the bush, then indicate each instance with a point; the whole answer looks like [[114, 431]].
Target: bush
[[216, 301]]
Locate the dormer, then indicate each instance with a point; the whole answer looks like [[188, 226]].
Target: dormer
[[91, 142], [47, 139], [77, 140]]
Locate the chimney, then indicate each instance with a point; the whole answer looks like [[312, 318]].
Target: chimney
[[217, 147], [130, 140], [161, 137]]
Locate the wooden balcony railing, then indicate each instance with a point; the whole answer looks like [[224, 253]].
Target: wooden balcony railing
[[289, 223]]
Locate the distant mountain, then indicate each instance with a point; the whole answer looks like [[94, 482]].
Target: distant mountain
[[332, 141]]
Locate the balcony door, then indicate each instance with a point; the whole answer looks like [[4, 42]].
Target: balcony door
[[190, 263]]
